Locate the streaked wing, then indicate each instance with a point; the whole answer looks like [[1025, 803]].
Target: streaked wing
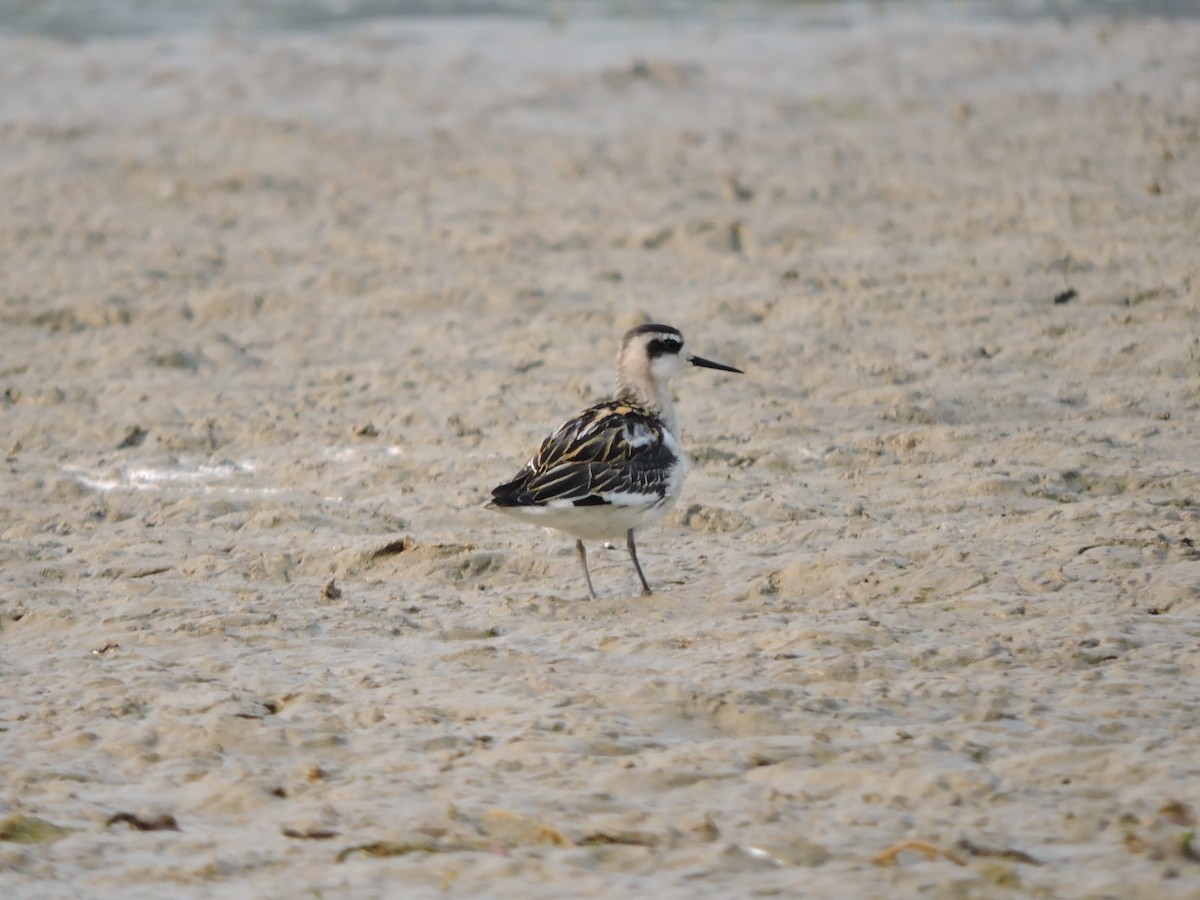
[[611, 453]]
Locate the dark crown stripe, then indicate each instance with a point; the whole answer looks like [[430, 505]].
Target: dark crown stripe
[[665, 330]]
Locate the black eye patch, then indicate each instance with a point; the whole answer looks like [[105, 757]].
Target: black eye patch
[[660, 346]]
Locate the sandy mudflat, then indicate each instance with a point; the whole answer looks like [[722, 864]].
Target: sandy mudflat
[[280, 310]]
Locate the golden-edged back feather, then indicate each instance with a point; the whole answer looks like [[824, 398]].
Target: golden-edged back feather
[[608, 452]]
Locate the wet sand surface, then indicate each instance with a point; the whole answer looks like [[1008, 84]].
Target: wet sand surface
[[278, 311]]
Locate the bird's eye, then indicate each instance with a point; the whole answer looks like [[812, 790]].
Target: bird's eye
[[661, 346]]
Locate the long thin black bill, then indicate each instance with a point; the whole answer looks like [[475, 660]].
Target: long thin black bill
[[709, 364]]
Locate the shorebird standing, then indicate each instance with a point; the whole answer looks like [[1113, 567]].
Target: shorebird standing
[[618, 466]]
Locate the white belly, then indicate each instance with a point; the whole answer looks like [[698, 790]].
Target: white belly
[[594, 523]]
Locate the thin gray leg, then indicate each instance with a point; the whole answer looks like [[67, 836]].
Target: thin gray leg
[[586, 574], [637, 565]]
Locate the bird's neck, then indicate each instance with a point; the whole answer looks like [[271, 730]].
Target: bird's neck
[[654, 396]]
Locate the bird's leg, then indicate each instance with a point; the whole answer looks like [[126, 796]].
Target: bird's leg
[[633, 555], [583, 559]]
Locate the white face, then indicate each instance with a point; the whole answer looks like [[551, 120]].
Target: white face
[[667, 364], [650, 358]]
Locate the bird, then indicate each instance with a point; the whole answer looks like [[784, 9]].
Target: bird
[[618, 466]]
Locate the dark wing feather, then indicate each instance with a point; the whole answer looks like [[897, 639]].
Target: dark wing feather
[[612, 447]]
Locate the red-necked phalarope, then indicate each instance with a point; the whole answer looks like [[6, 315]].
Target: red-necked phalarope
[[618, 466]]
